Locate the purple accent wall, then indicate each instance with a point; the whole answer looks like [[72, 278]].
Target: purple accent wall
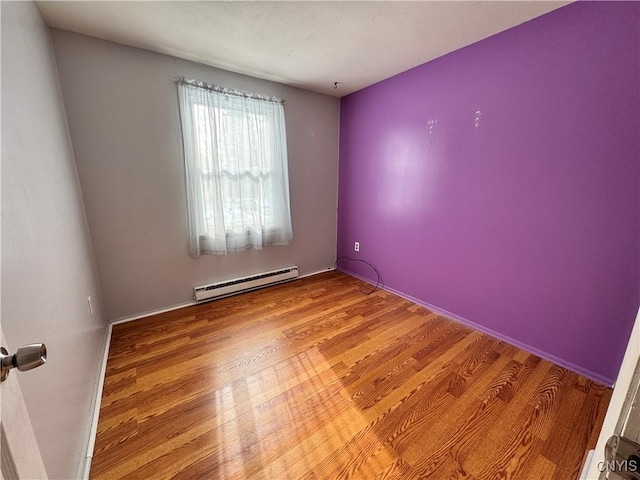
[[501, 183]]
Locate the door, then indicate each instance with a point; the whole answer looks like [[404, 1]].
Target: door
[[20, 452]]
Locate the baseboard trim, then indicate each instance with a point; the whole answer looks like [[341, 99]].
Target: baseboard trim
[[512, 341], [86, 467], [150, 313], [317, 272]]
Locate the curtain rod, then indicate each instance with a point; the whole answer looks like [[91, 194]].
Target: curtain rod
[[227, 91]]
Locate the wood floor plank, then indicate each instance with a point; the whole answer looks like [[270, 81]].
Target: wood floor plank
[[408, 408], [477, 418], [315, 380], [515, 454], [508, 421]]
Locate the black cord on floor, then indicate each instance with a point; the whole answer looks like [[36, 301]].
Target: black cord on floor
[[363, 261]]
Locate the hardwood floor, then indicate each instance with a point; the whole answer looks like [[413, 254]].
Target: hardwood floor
[[314, 380]]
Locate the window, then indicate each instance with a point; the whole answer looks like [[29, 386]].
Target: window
[[237, 181]]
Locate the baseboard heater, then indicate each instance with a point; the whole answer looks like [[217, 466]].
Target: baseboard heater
[[243, 284]]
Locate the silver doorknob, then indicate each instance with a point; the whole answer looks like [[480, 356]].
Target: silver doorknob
[[25, 358]]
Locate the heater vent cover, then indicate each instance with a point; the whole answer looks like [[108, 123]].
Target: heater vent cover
[[243, 284]]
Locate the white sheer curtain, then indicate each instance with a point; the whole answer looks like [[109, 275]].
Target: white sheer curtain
[[237, 179]]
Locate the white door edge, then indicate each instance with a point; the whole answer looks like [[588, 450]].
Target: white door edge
[[17, 424], [622, 385]]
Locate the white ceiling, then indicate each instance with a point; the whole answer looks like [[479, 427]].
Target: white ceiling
[[305, 44]]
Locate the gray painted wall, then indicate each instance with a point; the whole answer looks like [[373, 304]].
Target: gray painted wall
[[48, 270], [122, 105]]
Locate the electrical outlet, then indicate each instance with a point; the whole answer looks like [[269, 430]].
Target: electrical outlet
[[356, 246], [90, 305]]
